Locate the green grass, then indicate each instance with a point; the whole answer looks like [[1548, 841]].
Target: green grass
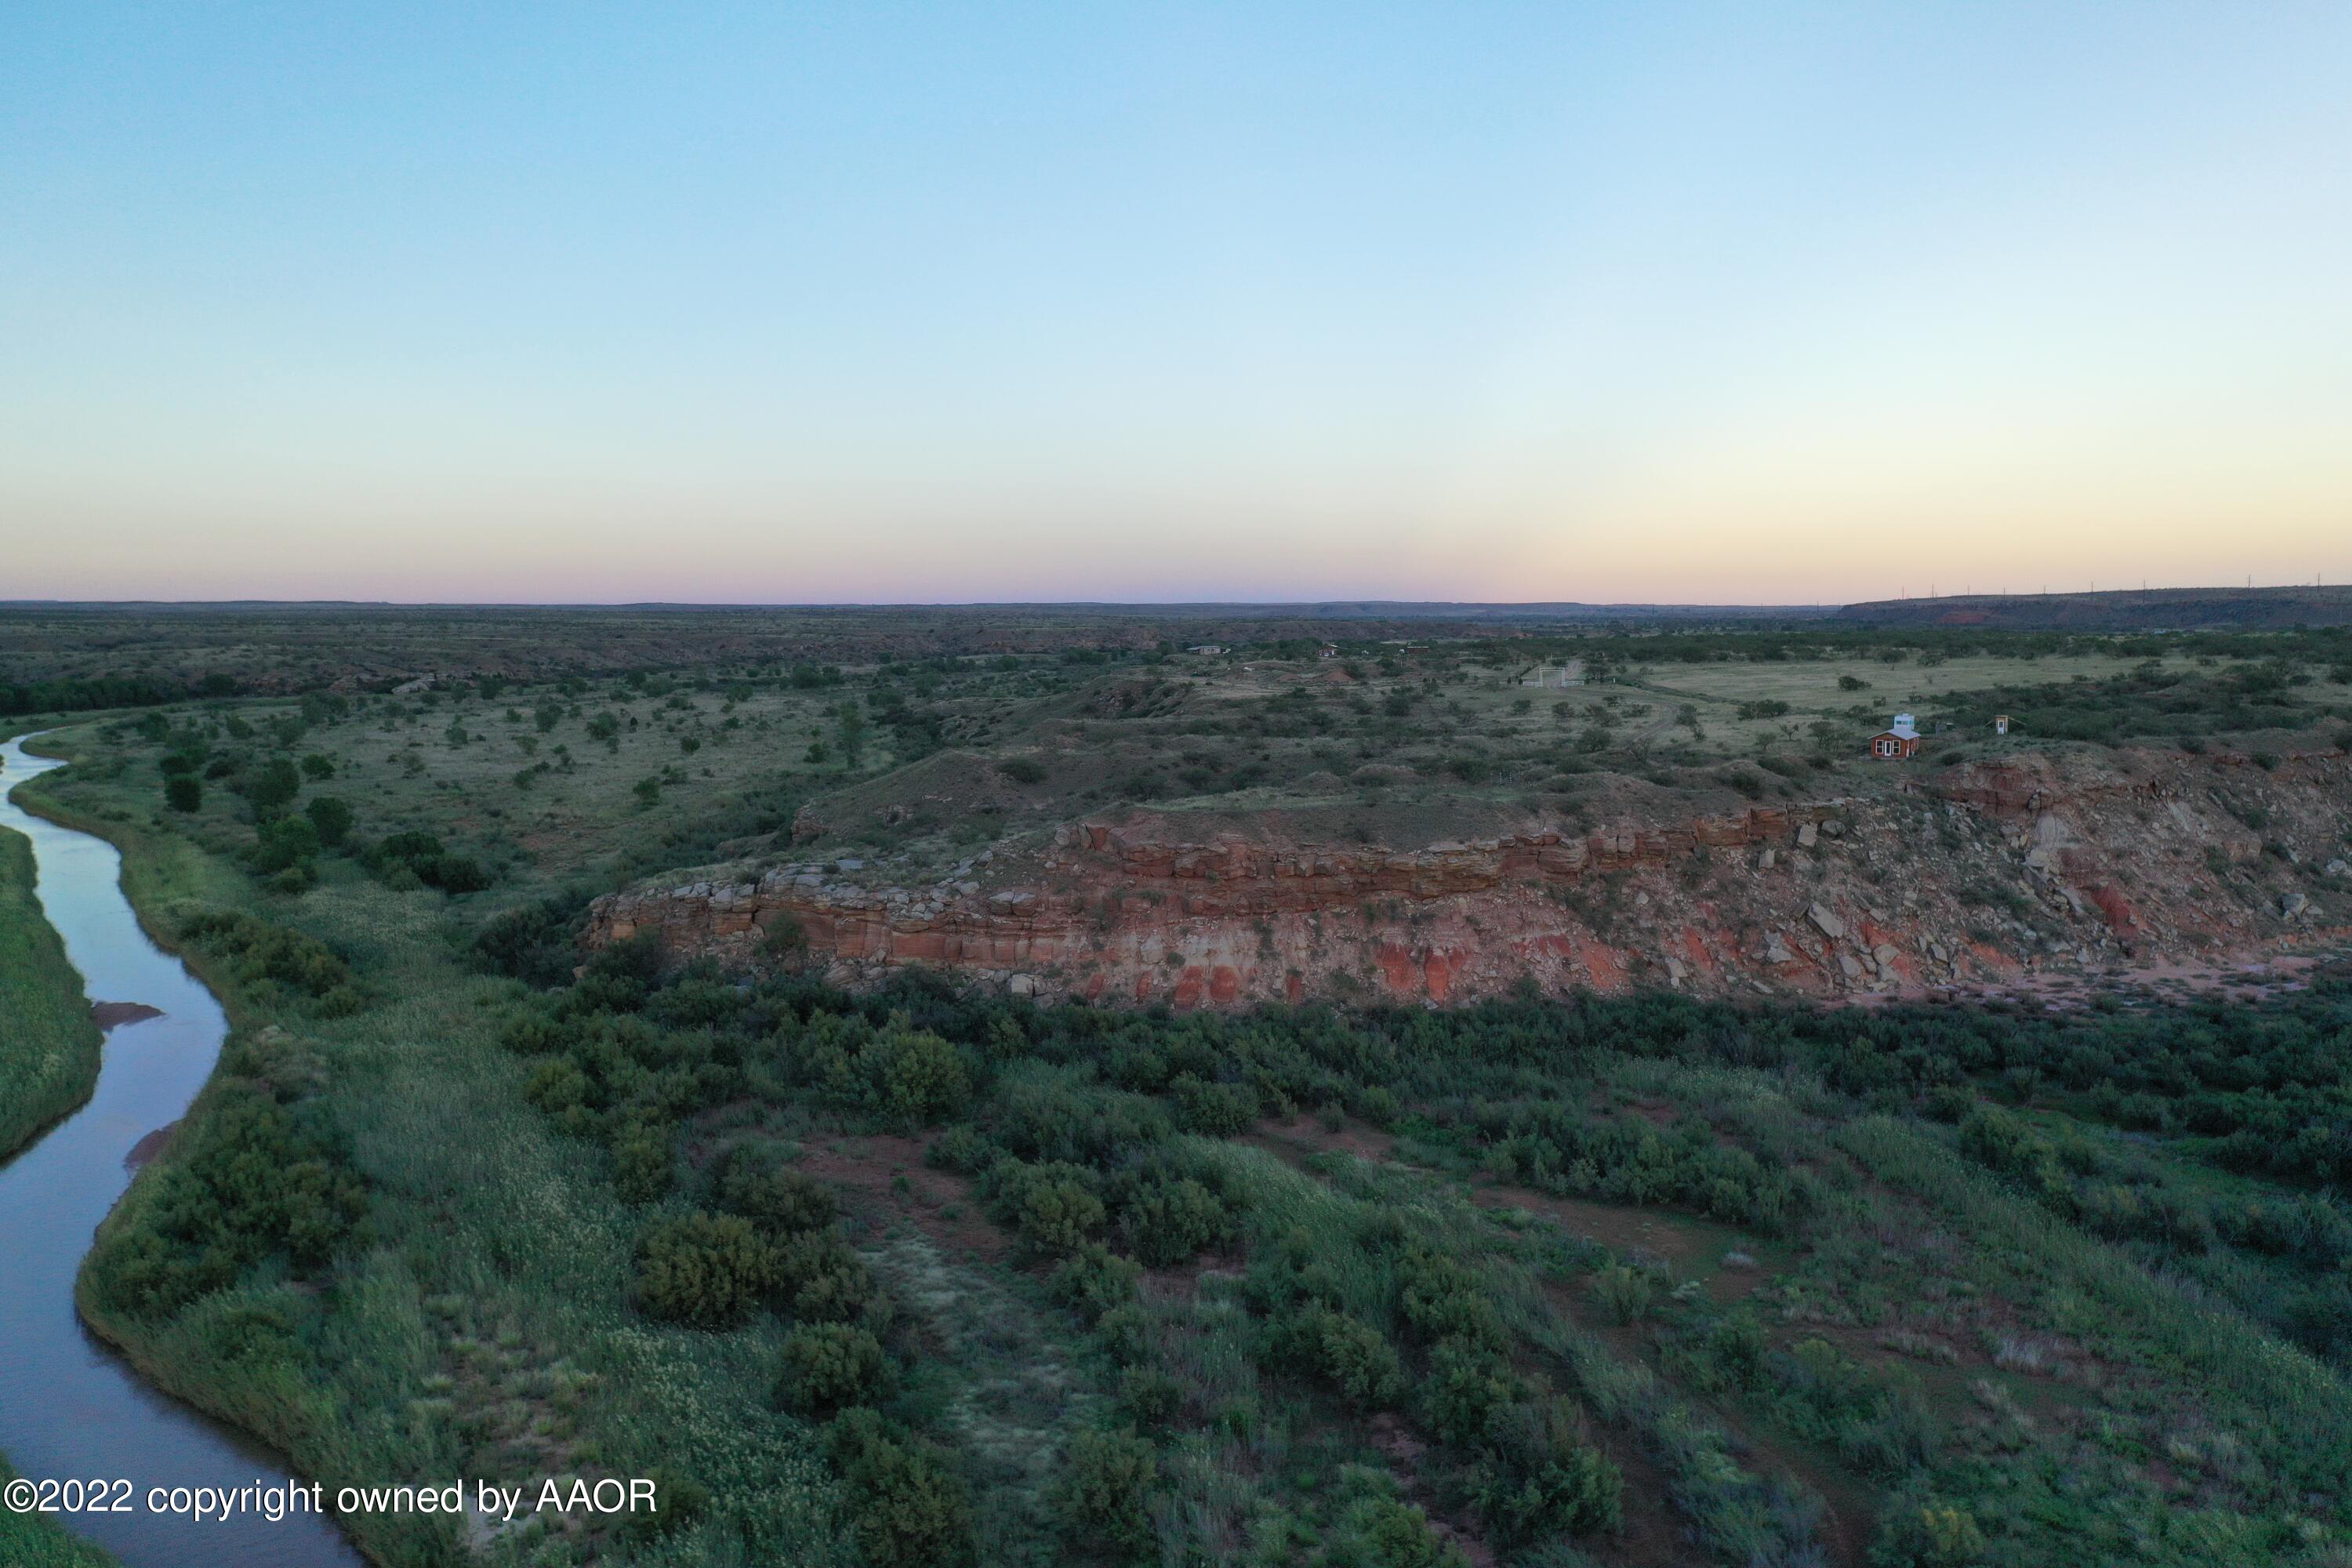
[[49, 1051], [32, 1541]]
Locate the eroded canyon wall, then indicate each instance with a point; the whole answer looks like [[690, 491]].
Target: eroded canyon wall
[[1977, 874]]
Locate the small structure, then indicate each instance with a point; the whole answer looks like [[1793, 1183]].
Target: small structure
[[1555, 675], [1898, 740], [1329, 650], [1207, 647], [2001, 723]]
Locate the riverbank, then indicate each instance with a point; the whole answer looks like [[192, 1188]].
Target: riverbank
[[480, 1324], [72, 1411], [50, 1052], [49, 1064]]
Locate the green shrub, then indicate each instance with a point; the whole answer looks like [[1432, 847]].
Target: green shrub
[[285, 843], [332, 818], [1442, 1298], [1169, 1222], [1150, 1395], [1101, 1500], [1538, 1477], [1386, 1532], [709, 1271], [269, 953], [1467, 1383], [184, 792], [1924, 1532], [1094, 1280], [1347, 1353], [823, 1280], [1213, 1110], [251, 1183], [825, 1366], [1051, 1205], [909, 1508], [643, 1170], [780, 1201], [1624, 1293]]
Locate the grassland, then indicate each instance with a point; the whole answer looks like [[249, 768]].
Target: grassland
[[923, 1277]]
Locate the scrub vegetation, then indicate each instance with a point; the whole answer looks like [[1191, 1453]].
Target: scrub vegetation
[[48, 1049], [927, 1274]]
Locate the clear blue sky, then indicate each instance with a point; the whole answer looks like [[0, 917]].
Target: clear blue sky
[[691, 302]]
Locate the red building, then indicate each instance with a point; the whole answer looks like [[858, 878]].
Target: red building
[[1897, 740]]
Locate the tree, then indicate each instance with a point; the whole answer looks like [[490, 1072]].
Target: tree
[[319, 766], [183, 792], [272, 787], [288, 842], [331, 817]]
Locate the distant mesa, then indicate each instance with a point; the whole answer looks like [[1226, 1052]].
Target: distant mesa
[[110, 1016], [2123, 610]]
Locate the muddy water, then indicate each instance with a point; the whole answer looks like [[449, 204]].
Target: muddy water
[[68, 1407]]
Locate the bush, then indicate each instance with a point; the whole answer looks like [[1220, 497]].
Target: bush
[[827, 1365], [1022, 770], [533, 943], [1538, 1476], [1347, 1353], [269, 953], [1466, 1384], [909, 1510], [422, 857], [1384, 1532], [1106, 1480], [184, 792], [823, 1281], [252, 1184], [1926, 1534], [332, 818], [271, 787], [288, 842], [318, 766], [1094, 1280], [1213, 1110], [1624, 1293], [1150, 1395], [1169, 1222], [780, 1201], [1053, 1204], [643, 1170], [710, 1271]]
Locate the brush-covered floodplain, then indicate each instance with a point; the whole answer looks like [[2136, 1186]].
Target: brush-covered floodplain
[[926, 1273]]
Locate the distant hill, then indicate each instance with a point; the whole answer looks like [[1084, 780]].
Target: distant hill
[[2128, 610]]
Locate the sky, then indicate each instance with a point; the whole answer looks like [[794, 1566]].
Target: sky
[[811, 304]]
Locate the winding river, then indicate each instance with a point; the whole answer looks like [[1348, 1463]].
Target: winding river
[[70, 1406]]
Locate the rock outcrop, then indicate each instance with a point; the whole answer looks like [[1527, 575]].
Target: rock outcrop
[[1983, 874]]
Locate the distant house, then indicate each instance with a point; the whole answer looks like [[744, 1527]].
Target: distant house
[[2001, 723], [1329, 650], [1898, 740], [1209, 647]]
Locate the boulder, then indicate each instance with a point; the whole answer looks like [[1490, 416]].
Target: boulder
[[1826, 920]]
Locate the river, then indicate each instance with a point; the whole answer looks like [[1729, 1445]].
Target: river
[[70, 1406]]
